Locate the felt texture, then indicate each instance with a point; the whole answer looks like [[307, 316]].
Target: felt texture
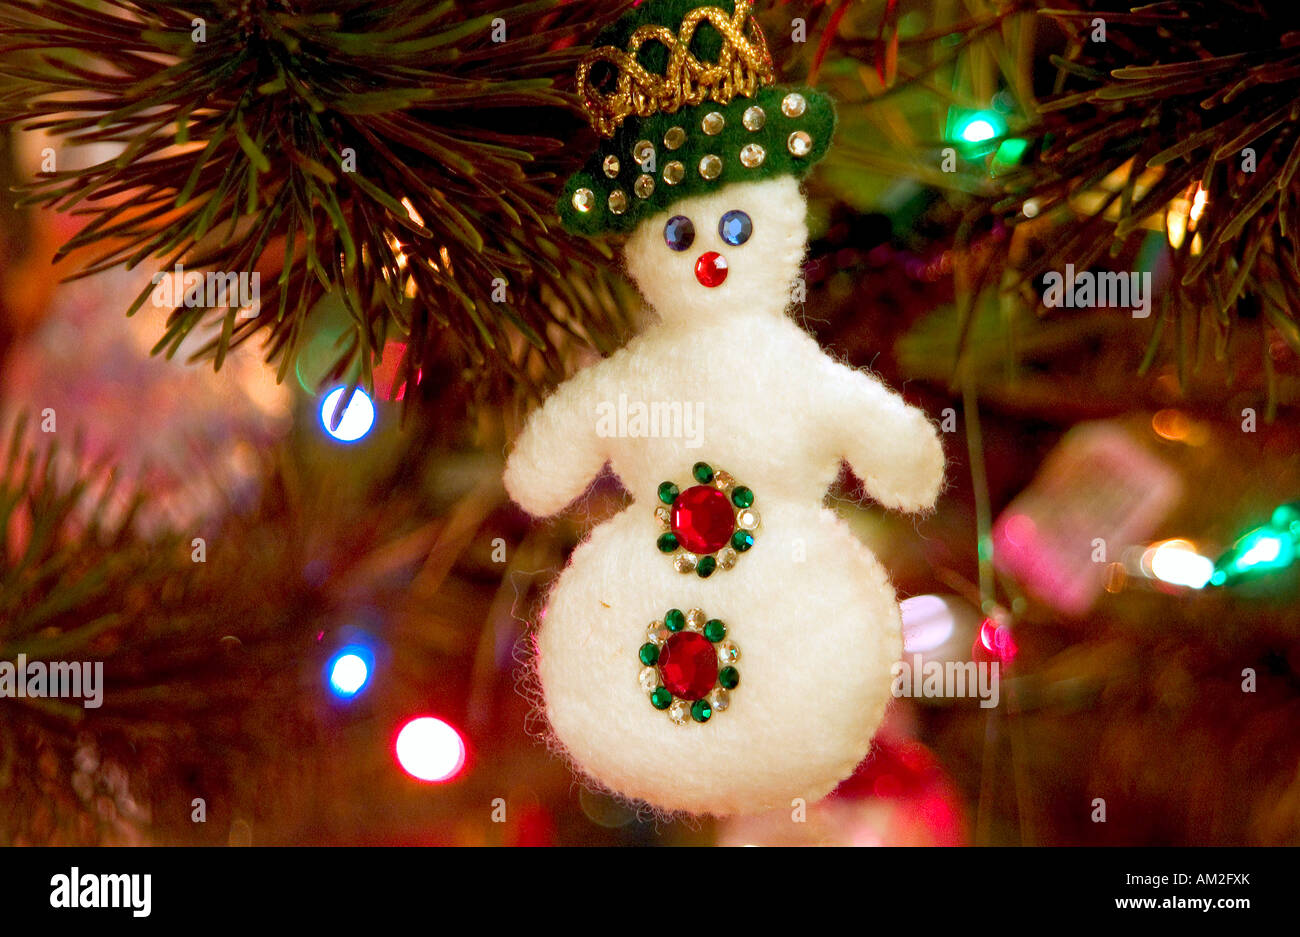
[[810, 608]]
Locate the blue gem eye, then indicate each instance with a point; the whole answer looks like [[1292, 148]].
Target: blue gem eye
[[735, 227], [679, 233]]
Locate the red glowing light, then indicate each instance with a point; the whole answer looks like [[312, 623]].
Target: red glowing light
[[996, 639], [429, 749]]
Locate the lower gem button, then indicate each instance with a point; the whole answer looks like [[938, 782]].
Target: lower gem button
[[688, 665]]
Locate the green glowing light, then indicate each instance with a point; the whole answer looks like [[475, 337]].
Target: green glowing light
[[1263, 550], [976, 132], [1010, 151]]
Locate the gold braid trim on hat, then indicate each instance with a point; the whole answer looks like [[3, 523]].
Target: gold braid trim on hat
[[743, 66]]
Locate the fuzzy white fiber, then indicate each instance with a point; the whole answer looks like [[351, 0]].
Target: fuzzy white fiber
[[810, 608]]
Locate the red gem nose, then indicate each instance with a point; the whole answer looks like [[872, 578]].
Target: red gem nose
[[689, 665], [711, 269], [702, 519]]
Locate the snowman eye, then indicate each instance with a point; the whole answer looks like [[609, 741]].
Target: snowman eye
[[679, 233], [735, 228]]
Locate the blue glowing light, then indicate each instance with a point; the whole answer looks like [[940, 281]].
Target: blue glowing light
[[349, 671], [357, 419]]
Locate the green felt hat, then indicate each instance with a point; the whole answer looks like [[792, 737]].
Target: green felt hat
[[691, 107]]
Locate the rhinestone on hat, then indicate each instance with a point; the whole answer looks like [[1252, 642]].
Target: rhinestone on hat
[[643, 152], [793, 105], [800, 144]]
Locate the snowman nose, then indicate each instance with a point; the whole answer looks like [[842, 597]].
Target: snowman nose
[[711, 269]]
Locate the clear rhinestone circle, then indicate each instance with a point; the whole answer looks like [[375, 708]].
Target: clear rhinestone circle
[[649, 679], [720, 699]]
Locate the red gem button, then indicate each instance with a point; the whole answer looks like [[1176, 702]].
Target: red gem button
[[711, 269], [703, 519], [689, 665]]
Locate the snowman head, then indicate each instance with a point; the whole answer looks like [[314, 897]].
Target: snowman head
[[738, 248], [699, 159]]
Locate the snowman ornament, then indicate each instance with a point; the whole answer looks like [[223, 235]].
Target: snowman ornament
[[724, 644]]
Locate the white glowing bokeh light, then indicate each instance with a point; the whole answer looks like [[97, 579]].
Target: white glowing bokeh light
[[357, 420], [1177, 563], [927, 623], [430, 750]]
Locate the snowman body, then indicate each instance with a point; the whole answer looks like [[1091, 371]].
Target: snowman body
[[809, 608]]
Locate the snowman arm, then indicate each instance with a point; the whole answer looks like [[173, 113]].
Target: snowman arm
[[559, 452], [892, 446]]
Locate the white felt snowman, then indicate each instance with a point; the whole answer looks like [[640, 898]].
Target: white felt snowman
[[723, 645]]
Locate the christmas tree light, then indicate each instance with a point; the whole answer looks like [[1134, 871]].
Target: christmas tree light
[[429, 749], [1263, 550], [350, 670], [976, 133], [358, 417], [1177, 563]]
